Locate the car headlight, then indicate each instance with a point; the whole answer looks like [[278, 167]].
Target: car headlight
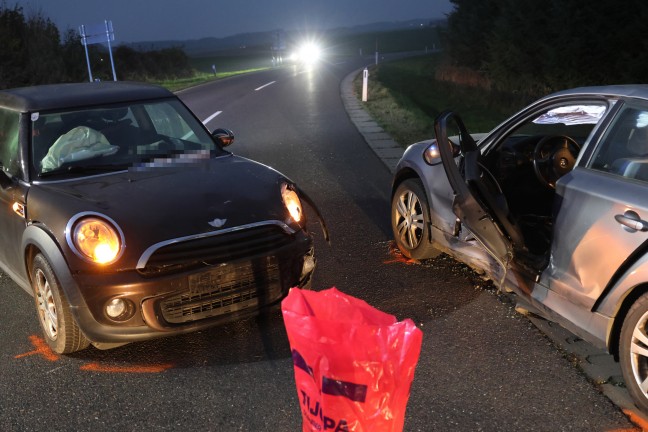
[[309, 53], [292, 202], [432, 154], [95, 238]]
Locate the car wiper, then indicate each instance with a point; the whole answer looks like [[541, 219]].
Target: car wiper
[[82, 169]]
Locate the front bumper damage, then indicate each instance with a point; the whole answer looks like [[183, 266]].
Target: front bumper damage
[[185, 301]]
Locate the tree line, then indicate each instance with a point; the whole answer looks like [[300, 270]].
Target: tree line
[[33, 51], [533, 47]]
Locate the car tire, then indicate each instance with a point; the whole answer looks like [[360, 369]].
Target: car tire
[[410, 220], [61, 332], [633, 351]]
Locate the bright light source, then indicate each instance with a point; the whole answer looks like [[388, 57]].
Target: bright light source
[[309, 53], [292, 202], [97, 240]]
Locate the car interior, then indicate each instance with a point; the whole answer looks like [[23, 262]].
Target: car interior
[[625, 148], [128, 134], [526, 164]]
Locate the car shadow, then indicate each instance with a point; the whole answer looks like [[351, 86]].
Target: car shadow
[[264, 337], [251, 340]]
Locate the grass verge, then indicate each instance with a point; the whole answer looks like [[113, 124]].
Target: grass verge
[[199, 78], [404, 98]]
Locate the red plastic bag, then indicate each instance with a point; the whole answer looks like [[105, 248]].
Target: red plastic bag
[[353, 364]]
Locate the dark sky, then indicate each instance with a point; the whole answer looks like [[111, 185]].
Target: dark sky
[[149, 20]]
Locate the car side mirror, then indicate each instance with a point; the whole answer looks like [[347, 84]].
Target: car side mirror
[[224, 136]]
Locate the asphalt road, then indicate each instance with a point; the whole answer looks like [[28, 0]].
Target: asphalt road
[[482, 366]]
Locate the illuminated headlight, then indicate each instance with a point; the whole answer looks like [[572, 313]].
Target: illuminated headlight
[[309, 53], [292, 202], [95, 239], [432, 154]]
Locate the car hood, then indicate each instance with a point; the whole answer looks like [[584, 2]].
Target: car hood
[[155, 204]]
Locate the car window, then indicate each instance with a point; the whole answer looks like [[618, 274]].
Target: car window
[[575, 121], [116, 135], [167, 121], [623, 150], [9, 143]]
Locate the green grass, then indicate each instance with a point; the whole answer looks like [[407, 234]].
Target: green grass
[[226, 64], [232, 61], [198, 78], [404, 98]]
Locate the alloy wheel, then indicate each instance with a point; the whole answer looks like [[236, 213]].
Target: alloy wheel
[[46, 307], [410, 219]]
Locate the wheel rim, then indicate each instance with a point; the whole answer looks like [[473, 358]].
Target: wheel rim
[[409, 219], [639, 354], [46, 306]]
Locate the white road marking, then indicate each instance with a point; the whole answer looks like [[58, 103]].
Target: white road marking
[[211, 117], [265, 85]]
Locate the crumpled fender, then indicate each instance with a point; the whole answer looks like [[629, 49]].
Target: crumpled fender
[[304, 196]]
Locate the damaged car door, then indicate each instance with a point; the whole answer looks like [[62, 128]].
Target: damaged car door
[[479, 203]]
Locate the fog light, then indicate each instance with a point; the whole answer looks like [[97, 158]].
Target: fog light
[[119, 309], [115, 308]]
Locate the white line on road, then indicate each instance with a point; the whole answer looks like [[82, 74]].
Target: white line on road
[[265, 85], [211, 117]]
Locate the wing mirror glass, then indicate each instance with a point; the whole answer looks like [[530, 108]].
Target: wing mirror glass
[[224, 136]]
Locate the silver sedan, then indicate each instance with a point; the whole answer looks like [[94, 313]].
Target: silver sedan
[[551, 205]]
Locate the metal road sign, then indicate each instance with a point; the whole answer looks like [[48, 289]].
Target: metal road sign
[[98, 33], [94, 34]]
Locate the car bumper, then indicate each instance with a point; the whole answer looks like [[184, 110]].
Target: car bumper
[[191, 300]]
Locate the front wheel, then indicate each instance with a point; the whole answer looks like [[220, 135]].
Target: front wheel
[[62, 333], [633, 352], [410, 219]]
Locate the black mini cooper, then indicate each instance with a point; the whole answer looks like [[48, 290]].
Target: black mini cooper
[[127, 220]]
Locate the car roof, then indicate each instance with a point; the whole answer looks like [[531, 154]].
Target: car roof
[[61, 96], [625, 90]]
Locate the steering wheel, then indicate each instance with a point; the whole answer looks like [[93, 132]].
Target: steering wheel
[[553, 157]]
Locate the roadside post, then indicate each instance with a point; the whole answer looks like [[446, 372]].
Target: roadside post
[[376, 51], [365, 83]]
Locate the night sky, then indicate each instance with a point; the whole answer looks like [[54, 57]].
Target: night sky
[[151, 20]]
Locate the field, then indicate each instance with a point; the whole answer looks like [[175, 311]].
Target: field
[[405, 98]]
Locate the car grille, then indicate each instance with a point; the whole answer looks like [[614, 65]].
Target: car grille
[[211, 250], [225, 289]]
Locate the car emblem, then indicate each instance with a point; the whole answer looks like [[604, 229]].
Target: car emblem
[[217, 223], [563, 163]]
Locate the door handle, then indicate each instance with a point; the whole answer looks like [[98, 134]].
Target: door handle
[[631, 221]]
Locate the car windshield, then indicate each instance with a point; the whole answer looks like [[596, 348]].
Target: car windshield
[[117, 137]]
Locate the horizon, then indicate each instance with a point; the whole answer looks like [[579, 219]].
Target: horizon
[[200, 19]]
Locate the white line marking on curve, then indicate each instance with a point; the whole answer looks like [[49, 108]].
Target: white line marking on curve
[[265, 85], [211, 117]]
